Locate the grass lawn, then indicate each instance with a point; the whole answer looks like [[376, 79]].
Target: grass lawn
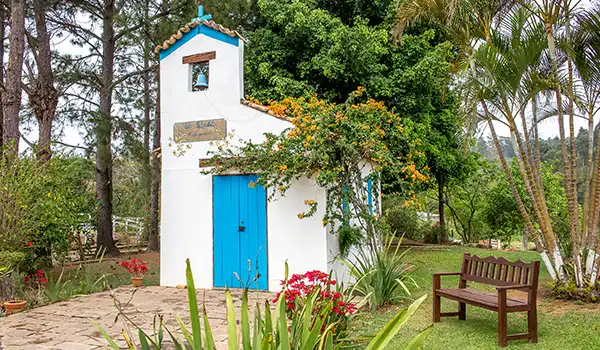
[[561, 325]]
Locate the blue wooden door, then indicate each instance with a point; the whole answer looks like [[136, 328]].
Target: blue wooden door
[[240, 232]]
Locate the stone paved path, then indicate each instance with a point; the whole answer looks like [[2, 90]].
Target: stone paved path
[[68, 325]]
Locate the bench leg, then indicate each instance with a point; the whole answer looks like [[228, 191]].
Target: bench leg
[[532, 325], [437, 302], [462, 311], [436, 299], [502, 319]]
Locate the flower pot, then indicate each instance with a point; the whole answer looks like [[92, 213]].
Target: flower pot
[[137, 281], [13, 306]]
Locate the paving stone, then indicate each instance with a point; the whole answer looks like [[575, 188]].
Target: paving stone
[[68, 325]]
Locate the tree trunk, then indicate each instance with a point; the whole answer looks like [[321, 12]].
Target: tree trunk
[[104, 184], [153, 237], [570, 182], [525, 240], [441, 210], [588, 183], [146, 166], [2, 33], [11, 96], [43, 97], [553, 270]]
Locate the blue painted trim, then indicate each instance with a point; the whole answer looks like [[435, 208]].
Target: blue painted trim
[[201, 29], [215, 34], [370, 195], [186, 37]]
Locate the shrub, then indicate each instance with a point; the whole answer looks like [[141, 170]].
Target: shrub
[[433, 234], [402, 220], [382, 277], [14, 260], [40, 204]]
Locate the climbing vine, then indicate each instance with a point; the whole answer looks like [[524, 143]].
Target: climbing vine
[[344, 147]]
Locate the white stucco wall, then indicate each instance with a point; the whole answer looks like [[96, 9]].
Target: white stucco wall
[[186, 202]]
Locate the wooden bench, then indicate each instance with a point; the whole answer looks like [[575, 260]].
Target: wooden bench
[[503, 274]]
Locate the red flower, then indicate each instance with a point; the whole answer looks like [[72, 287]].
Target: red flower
[[135, 266], [29, 244], [301, 286]]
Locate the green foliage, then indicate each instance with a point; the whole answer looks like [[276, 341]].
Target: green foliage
[[41, 204], [341, 146], [300, 47], [13, 260], [502, 214], [56, 289], [432, 234], [130, 198], [402, 219], [382, 276], [467, 197], [348, 236], [330, 47]]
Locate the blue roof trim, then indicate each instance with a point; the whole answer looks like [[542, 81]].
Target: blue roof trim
[[184, 39], [215, 34], [201, 29]]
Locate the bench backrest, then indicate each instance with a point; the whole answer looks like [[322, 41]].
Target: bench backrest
[[499, 271]]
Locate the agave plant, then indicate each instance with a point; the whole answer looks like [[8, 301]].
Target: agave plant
[[382, 276], [270, 329]]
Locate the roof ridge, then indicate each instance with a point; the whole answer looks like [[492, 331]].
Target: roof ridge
[[193, 24]]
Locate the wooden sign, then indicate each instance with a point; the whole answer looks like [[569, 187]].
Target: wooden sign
[[201, 130]]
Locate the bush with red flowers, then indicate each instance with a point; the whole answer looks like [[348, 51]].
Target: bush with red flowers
[[136, 267], [301, 287], [39, 277]]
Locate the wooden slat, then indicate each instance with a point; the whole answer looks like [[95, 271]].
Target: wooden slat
[[200, 57], [479, 268], [449, 314], [482, 299], [504, 272], [518, 336], [511, 274]]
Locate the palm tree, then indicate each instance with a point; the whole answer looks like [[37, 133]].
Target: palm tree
[[586, 55], [504, 67]]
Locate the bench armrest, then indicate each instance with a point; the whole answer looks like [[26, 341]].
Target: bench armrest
[[447, 274], [516, 287]]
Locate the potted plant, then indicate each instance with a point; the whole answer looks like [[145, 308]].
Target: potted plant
[[137, 268], [6, 292]]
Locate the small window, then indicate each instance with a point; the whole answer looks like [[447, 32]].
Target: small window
[[200, 76]]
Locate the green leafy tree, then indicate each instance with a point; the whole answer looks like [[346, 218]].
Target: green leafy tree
[[466, 197], [306, 46]]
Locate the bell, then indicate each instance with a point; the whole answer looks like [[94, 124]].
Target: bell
[[201, 82]]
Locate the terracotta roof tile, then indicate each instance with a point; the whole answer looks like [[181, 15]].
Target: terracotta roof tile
[[193, 24], [266, 110]]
